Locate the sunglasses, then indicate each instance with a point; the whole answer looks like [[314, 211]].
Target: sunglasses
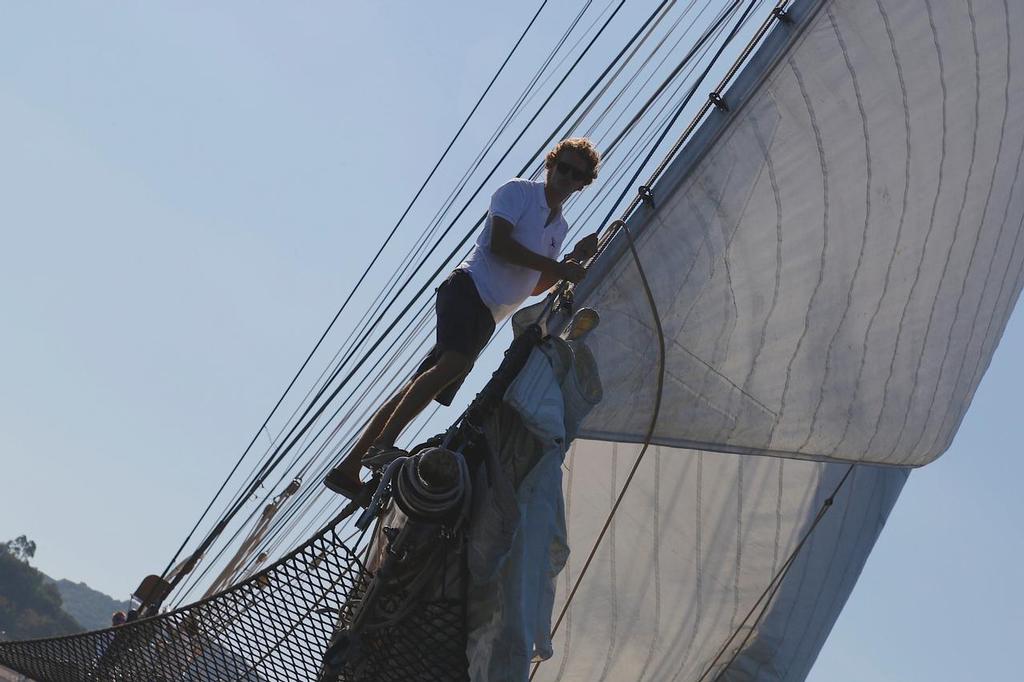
[[577, 175]]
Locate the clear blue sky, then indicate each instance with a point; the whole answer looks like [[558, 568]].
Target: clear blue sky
[[187, 192]]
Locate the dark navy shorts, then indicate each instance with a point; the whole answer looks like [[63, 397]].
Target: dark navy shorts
[[464, 325]]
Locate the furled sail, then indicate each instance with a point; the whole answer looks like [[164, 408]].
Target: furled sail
[[834, 257]]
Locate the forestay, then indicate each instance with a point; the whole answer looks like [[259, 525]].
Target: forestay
[[834, 259]]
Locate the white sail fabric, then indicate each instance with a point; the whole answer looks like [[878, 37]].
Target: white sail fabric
[[835, 258], [698, 540]]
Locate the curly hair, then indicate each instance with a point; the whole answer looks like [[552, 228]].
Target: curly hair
[[581, 146]]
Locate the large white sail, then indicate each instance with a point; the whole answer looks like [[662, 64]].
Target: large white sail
[[834, 258], [833, 261]]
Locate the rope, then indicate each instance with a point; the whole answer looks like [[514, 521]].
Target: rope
[[647, 437], [421, 500], [620, 226]]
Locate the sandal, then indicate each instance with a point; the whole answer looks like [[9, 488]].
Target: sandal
[[378, 456], [344, 484]]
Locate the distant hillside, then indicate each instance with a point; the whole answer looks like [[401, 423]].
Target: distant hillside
[[89, 607], [30, 605]]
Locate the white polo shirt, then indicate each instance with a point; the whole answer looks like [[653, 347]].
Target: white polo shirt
[[504, 286]]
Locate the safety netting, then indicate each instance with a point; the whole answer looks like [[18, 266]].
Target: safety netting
[[274, 626]]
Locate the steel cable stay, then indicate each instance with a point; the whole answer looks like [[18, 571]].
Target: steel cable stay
[[363, 401], [196, 578], [568, 53], [607, 150], [639, 71], [452, 197], [679, 111], [556, 48], [292, 435], [650, 31], [663, 119], [360, 400], [423, 238], [299, 505], [352, 292], [500, 128], [191, 584], [391, 356], [319, 516], [648, 103], [691, 59]]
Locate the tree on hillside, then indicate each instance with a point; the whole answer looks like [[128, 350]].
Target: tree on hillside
[[29, 607], [21, 547]]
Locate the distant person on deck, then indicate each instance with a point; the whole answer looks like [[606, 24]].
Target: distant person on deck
[[514, 258]]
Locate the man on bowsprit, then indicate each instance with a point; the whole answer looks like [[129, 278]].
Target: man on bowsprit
[[515, 256]]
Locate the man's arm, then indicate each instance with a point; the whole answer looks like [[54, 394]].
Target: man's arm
[[504, 246], [584, 249], [547, 281]]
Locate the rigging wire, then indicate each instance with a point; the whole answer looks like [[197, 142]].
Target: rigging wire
[[356, 287], [281, 452], [196, 578], [392, 354], [354, 336], [295, 507], [635, 118], [415, 249], [633, 122]]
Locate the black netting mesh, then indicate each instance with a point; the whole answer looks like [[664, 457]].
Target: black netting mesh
[[427, 645], [274, 626]]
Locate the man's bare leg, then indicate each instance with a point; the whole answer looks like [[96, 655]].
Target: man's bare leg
[[394, 415], [351, 464], [424, 388]]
